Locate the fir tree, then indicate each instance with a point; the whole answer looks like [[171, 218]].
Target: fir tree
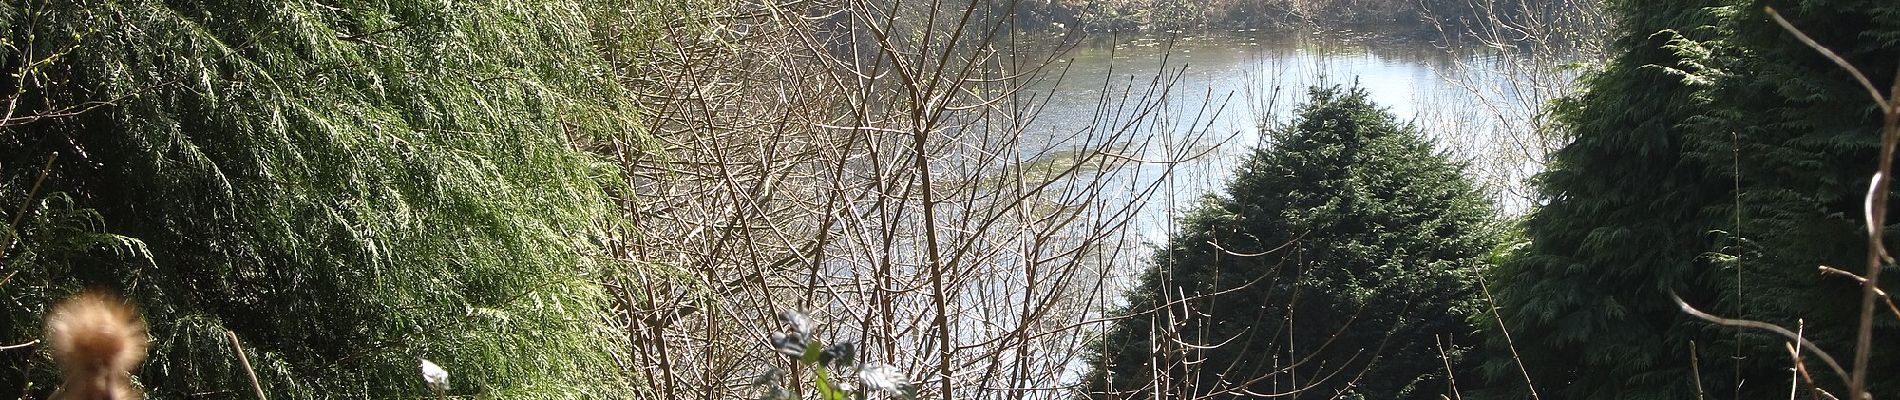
[[1718, 159], [1335, 265]]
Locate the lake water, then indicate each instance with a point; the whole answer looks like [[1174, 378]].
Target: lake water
[[1205, 99]]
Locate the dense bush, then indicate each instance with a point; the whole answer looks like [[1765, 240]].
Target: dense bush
[[1338, 262], [348, 186]]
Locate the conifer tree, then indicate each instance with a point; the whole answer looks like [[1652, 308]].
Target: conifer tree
[[1715, 158], [1335, 264]]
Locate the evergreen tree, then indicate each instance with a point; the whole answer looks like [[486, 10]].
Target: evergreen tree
[[1336, 264], [1715, 158]]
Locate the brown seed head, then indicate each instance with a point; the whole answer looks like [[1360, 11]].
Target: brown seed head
[[97, 340]]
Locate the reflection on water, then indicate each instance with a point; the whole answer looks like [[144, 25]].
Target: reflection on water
[[1220, 89]]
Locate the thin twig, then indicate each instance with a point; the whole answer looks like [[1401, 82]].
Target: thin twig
[[246, 362], [1876, 205], [1508, 343], [1742, 323], [1451, 380], [1836, 58], [1801, 368], [1695, 366], [1877, 291], [26, 203], [11, 347]]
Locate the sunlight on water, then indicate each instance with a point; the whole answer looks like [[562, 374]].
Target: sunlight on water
[[1204, 100]]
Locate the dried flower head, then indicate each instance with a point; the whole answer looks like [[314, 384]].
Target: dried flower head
[[98, 340], [790, 344], [800, 324], [883, 378], [793, 343]]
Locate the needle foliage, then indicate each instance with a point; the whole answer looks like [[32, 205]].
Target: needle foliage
[[1717, 158], [1337, 261]]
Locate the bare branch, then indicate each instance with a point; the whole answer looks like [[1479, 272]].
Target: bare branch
[[1784, 332], [1872, 91], [18, 346]]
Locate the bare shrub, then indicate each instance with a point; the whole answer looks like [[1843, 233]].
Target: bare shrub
[[881, 168]]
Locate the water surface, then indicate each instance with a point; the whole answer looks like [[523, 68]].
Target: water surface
[[1208, 97]]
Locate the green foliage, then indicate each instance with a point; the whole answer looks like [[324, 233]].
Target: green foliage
[[806, 351], [1717, 158], [1338, 259], [348, 186]]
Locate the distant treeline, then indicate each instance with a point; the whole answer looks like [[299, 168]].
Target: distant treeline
[[1386, 17]]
